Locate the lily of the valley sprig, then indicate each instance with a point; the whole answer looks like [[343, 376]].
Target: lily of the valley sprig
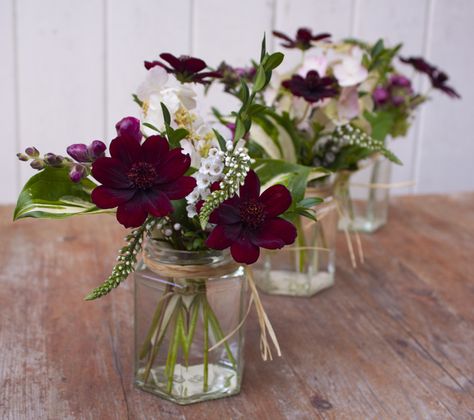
[[171, 176]]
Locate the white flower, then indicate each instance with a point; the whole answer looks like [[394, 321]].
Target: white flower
[[191, 210], [203, 180], [189, 149], [348, 104], [350, 71], [318, 63]]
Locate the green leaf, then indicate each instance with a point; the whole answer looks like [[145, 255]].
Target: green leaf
[[166, 114], [151, 126], [51, 194], [263, 50], [260, 79], [174, 136], [220, 140], [239, 129], [137, 101], [381, 123], [244, 93], [273, 61], [310, 202], [377, 48]]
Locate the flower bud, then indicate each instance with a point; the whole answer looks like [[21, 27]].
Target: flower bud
[[400, 81], [380, 95], [77, 173], [22, 157], [37, 164], [96, 150], [79, 152], [129, 127], [53, 160], [32, 152]]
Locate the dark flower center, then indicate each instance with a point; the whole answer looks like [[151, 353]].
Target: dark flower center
[[252, 213], [143, 175]]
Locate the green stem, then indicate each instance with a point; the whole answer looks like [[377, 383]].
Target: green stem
[[157, 318], [372, 192], [206, 345], [174, 345], [301, 244], [217, 331]]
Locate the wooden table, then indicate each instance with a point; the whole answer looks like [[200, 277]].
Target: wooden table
[[393, 339]]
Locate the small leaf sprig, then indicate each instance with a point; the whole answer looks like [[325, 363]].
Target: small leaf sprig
[[127, 260]]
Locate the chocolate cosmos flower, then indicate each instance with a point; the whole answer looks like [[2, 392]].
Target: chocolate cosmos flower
[[312, 87], [250, 221], [186, 69], [302, 40], [141, 179], [438, 78]]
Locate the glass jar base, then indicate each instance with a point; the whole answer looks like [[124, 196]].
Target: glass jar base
[[188, 383], [290, 283], [361, 224]]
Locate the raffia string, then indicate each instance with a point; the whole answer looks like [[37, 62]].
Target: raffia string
[[216, 270]]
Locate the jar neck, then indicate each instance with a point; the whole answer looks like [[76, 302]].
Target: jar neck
[[162, 253]]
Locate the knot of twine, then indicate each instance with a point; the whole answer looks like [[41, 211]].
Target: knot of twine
[[205, 271]]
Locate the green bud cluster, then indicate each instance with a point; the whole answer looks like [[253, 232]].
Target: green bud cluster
[[126, 260]]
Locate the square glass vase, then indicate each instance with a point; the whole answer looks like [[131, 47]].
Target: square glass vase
[[364, 196], [308, 266], [185, 304]]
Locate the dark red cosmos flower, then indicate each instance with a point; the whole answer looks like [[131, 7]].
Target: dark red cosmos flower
[[141, 179], [312, 87], [250, 221], [186, 69], [437, 77], [302, 40]]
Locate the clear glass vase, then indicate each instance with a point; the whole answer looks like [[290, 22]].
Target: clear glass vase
[[308, 266], [364, 196], [185, 304]]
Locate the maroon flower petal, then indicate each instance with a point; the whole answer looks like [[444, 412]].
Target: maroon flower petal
[[154, 149], [174, 166], [179, 188], [154, 202], [218, 238], [172, 60], [274, 234], [276, 200], [244, 251], [126, 150], [193, 64], [130, 214], [150, 64], [227, 213], [108, 198], [111, 172], [251, 187]]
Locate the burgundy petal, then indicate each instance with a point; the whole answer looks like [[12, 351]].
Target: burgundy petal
[[155, 202], [276, 200], [174, 166], [129, 127], [227, 213], [111, 172], [150, 64], [179, 188], [172, 60], [218, 239], [251, 187], [130, 214], [154, 149], [108, 198], [275, 233], [193, 65], [243, 251], [125, 149], [78, 152]]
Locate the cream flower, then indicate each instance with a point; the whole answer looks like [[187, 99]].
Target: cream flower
[[349, 71]]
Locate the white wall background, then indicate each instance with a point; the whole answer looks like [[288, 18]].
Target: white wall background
[[67, 68]]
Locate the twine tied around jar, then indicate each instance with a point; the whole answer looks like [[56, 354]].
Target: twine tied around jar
[[202, 271]]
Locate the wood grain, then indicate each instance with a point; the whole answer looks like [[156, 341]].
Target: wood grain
[[392, 339]]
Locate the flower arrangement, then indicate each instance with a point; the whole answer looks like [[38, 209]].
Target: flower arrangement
[[338, 106], [176, 181]]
